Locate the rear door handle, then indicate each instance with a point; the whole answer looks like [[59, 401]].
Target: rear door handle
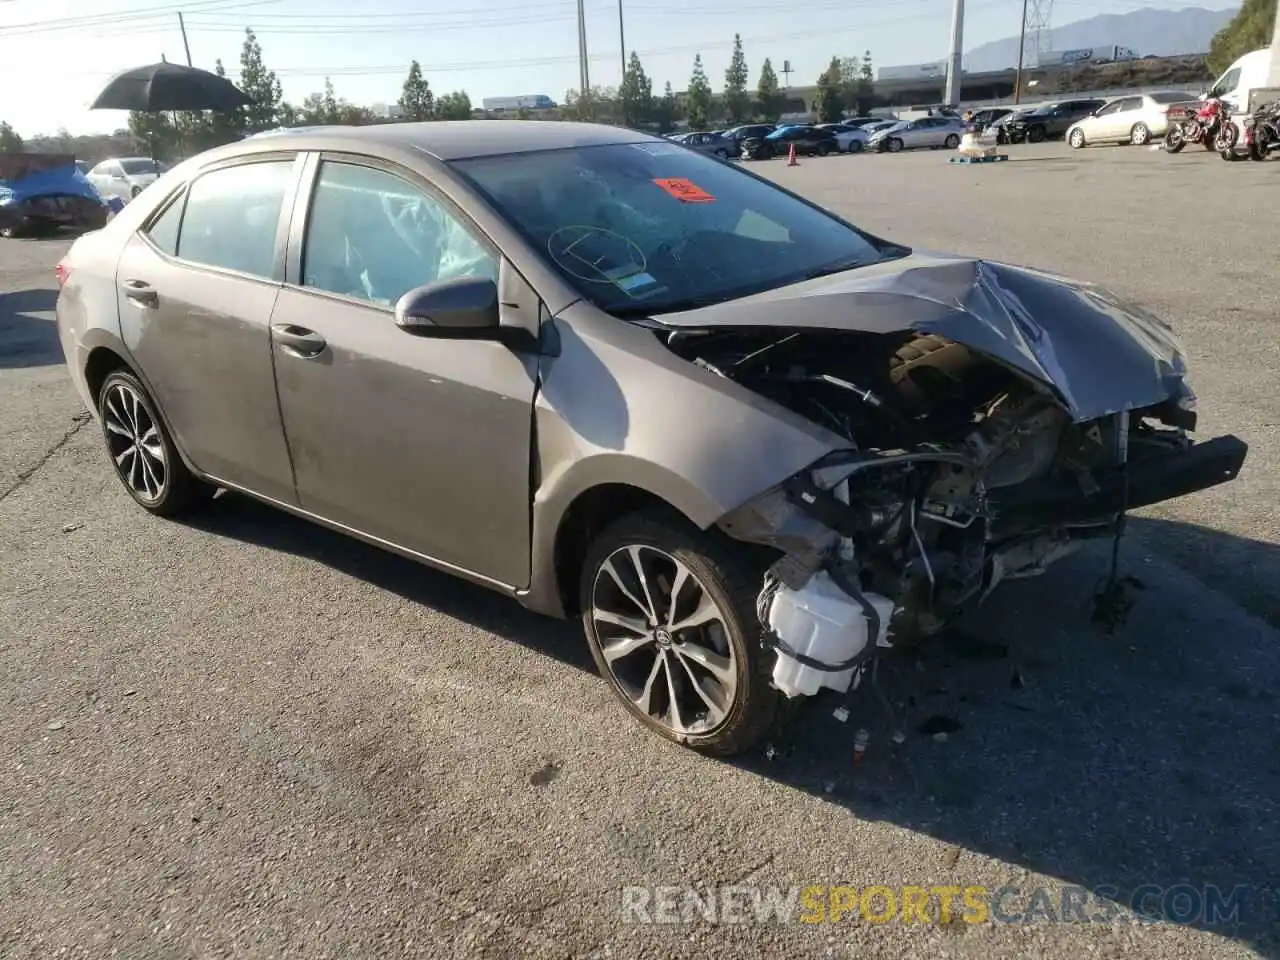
[[298, 341], [141, 293]]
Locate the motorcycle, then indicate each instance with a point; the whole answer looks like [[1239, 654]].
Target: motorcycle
[[1262, 131], [1208, 125]]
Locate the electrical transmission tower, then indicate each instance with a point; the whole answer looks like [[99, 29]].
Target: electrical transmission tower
[[1037, 41]]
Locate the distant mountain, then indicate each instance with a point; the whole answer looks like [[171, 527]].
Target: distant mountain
[[1161, 33]]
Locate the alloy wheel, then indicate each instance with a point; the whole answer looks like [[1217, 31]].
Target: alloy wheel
[[133, 440], [664, 639], [1140, 135]]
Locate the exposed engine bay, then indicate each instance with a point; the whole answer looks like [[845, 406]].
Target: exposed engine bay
[[959, 472]]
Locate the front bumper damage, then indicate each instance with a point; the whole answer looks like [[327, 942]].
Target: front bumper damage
[[829, 537]]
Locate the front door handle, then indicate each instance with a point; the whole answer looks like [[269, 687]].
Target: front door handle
[[298, 341], [141, 293]]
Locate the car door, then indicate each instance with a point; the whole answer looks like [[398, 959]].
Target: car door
[[196, 286], [108, 179], [1128, 112], [1102, 126], [420, 442]]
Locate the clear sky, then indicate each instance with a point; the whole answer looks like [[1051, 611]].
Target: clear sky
[[55, 55]]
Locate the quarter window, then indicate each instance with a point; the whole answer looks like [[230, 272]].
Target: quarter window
[[232, 216], [164, 230], [373, 236]]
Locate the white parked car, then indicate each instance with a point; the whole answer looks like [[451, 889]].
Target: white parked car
[[1137, 119], [124, 178], [850, 139]]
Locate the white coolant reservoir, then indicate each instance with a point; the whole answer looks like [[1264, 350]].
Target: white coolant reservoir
[[824, 623]]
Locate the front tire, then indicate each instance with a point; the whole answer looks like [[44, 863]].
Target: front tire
[[142, 452], [1037, 135], [855, 146], [670, 616], [951, 142], [894, 145], [823, 149], [1174, 140], [1076, 139]]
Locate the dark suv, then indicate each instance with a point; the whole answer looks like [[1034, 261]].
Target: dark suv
[[735, 138], [807, 139], [1052, 121]]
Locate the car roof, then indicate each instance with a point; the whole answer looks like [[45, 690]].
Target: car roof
[[459, 139]]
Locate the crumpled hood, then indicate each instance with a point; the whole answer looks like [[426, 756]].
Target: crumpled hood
[[1098, 354]]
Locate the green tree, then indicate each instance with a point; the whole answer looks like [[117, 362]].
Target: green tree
[[225, 125], [153, 134], [260, 84], [828, 103], [636, 93], [416, 99], [667, 111], [697, 98], [866, 84], [1249, 29], [737, 101], [454, 106], [769, 96], [10, 142]]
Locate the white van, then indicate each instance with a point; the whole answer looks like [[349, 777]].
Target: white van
[[1250, 72]]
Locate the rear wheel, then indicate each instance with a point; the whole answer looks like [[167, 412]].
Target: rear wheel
[[855, 146], [894, 144], [670, 615], [133, 192], [722, 153], [1174, 140], [1140, 135], [141, 450], [823, 149]]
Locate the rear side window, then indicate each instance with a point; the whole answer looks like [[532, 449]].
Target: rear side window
[[164, 229], [232, 216]]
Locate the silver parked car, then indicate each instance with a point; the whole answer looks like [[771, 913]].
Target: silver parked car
[[921, 132], [124, 178], [713, 143], [745, 442], [1135, 119]]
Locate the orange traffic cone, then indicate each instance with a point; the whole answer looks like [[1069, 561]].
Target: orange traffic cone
[[791, 157]]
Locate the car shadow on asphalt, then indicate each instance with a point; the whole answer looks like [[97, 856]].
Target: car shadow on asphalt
[[245, 519], [27, 340], [1124, 763]]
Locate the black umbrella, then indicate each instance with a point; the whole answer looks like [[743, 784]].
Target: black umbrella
[[170, 86]]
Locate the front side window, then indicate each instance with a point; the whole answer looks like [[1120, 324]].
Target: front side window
[[374, 236], [232, 216], [1230, 80], [138, 167], [646, 227]]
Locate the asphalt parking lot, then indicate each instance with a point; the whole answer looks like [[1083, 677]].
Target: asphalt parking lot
[[245, 736]]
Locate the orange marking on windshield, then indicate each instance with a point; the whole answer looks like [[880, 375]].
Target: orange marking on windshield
[[686, 191]]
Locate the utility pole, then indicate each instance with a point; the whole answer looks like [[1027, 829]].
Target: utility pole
[[1022, 47], [786, 73], [622, 42], [182, 25], [952, 94], [584, 74]]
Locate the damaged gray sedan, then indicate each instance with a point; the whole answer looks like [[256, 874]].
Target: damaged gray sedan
[[748, 443]]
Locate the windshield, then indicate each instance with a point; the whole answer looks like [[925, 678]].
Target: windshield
[[137, 167], [646, 227]]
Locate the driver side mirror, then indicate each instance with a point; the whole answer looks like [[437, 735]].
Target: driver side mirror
[[465, 308]]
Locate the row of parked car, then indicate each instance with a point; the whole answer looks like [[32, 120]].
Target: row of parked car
[[762, 141], [1136, 118]]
